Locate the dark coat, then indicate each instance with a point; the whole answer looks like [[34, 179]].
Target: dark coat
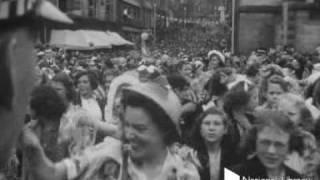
[[228, 159], [253, 168]]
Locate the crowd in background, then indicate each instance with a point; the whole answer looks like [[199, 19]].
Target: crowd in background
[[257, 114]]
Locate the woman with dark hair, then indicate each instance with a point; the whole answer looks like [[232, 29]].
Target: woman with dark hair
[[185, 69], [86, 84], [63, 84], [190, 109], [271, 140], [216, 90], [210, 140], [150, 126], [47, 109]]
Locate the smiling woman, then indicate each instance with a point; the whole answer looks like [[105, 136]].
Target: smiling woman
[[144, 118], [272, 140], [150, 125]]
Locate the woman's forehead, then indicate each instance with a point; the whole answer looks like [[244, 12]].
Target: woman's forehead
[[273, 132], [137, 115], [212, 117]]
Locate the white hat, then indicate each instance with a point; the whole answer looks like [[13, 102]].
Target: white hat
[[316, 67], [217, 53], [157, 89], [41, 53]]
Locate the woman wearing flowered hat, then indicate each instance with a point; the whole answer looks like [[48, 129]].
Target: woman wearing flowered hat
[[150, 124]]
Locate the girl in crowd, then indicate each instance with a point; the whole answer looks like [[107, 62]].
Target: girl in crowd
[[216, 60], [275, 87], [186, 70], [266, 72], [295, 108], [71, 131], [290, 76], [301, 160], [86, 84], [212, 144], [271, 141], [150, 122]]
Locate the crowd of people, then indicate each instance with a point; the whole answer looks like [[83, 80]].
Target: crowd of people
[[102, 115], [174, 112]]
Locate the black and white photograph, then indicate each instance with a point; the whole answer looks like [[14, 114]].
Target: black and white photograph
[[159, 89]]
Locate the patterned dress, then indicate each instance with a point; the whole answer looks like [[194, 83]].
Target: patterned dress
[[106, 161]]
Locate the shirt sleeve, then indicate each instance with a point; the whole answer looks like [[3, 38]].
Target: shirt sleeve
[[76, 166], [92, 159]]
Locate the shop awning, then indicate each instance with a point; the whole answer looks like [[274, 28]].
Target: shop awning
[[133, 2], [79, 40], [117, 40], [86, 39]]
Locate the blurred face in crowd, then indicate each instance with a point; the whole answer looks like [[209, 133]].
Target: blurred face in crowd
[[182, 93], [84, 86], [92, 66], [132, 62], [117, 108], [108, 80], [290, 110], [272, 147], [60, 89], [143, 136], [186, 70], [224, 78], [264, 71], [214, 62], [38, 76], [296, 64], [273, 93], [212, 128], [254, 99], [17, 47], [288, 72]]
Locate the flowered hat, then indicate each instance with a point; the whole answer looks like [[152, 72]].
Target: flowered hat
[[156, 88]]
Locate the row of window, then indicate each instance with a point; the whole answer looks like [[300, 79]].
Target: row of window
[[107, 10]]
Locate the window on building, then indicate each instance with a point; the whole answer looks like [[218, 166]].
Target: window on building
[[92, 9], [63, 5], [109, 10]]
